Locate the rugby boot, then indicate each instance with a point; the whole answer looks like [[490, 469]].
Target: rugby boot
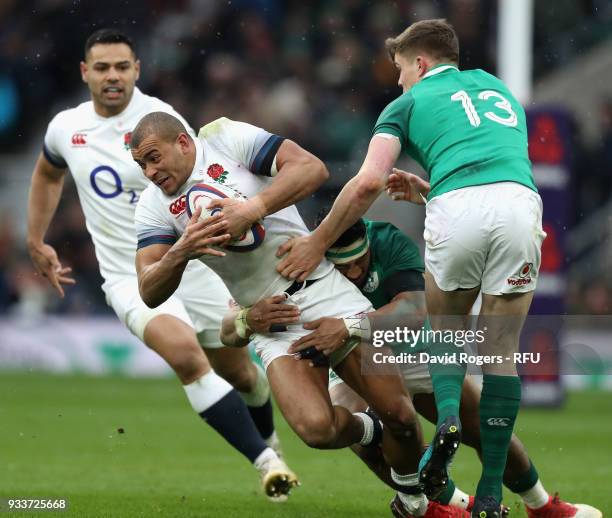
[[486, 507], [505, 511], [277, 480], [434, 510], [557, 508], [433, 467]]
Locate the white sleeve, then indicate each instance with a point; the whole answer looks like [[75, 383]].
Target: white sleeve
[[253, 147], [53, 142], [152, 227]]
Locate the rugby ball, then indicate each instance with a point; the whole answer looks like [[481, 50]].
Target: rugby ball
[[201, 194]]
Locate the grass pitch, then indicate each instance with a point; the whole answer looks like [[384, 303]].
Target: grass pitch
[[121, 447]]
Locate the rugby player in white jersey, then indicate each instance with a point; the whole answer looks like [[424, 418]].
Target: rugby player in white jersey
[[272, 173], [92, 140]]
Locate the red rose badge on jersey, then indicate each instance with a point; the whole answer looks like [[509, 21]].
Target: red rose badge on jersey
[[127, 139], [217, 173]]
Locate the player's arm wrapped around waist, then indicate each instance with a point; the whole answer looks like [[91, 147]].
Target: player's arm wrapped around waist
[[268, 315]]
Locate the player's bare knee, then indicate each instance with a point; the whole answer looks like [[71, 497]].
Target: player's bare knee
[[321, 439], [317, 432], [188, 363], [399, 417]]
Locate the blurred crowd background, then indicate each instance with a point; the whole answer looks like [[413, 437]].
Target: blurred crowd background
[[315, 72]]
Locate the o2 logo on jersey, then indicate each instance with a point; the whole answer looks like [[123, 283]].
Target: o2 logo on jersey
[[99, 179]]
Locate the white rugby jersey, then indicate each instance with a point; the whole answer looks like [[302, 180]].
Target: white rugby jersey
[[239, 156], [96, 150]]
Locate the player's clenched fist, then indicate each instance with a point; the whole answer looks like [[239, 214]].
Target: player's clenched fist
[[201, 235]]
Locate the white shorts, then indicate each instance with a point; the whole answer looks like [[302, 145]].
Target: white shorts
[[487, 235], [416, 378], [200, 301], [330, 296]]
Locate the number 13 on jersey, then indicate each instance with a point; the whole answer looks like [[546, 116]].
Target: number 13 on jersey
[[472, 115]]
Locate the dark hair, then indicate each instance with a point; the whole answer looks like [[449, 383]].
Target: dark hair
[[350, 235], [161, 124], [107, 37], [434, 37]]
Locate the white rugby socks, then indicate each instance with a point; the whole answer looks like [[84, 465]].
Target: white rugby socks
[[260, 393], [368, 428], [264, 457], [460, 499], [206, 391], [536, 496], [414, 502]]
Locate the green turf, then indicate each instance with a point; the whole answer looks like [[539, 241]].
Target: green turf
[[59, 437]]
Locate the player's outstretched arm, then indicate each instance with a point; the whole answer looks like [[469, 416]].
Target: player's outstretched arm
[[329, 334], [239, 324], [160, 266], [405, 186], [305, 253], [45, 192], [300, 173]]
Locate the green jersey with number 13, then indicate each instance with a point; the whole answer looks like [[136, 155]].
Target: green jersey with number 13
[[464, 128]]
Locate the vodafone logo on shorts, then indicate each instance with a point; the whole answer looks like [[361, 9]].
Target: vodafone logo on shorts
[[523, 277]]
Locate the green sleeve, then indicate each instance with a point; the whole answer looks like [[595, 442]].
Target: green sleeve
[[403, 252], [393, 249], [395, 117]]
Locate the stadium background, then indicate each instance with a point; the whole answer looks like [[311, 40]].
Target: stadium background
[[315, 72]]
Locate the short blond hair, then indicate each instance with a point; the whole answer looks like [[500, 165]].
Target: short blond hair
[[436, 38]]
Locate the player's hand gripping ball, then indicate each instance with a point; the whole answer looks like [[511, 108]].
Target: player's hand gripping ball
[[201, 194]]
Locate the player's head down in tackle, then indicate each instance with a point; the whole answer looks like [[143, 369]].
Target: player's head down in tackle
[[164, 150], [421, 47], [110, 69], [351, 251]]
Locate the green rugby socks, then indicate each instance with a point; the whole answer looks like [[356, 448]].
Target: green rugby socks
[[446, 378], [499, 405]]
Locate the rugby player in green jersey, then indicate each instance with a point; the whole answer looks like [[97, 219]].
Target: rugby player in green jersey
[[386, 265], [483, 232]]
